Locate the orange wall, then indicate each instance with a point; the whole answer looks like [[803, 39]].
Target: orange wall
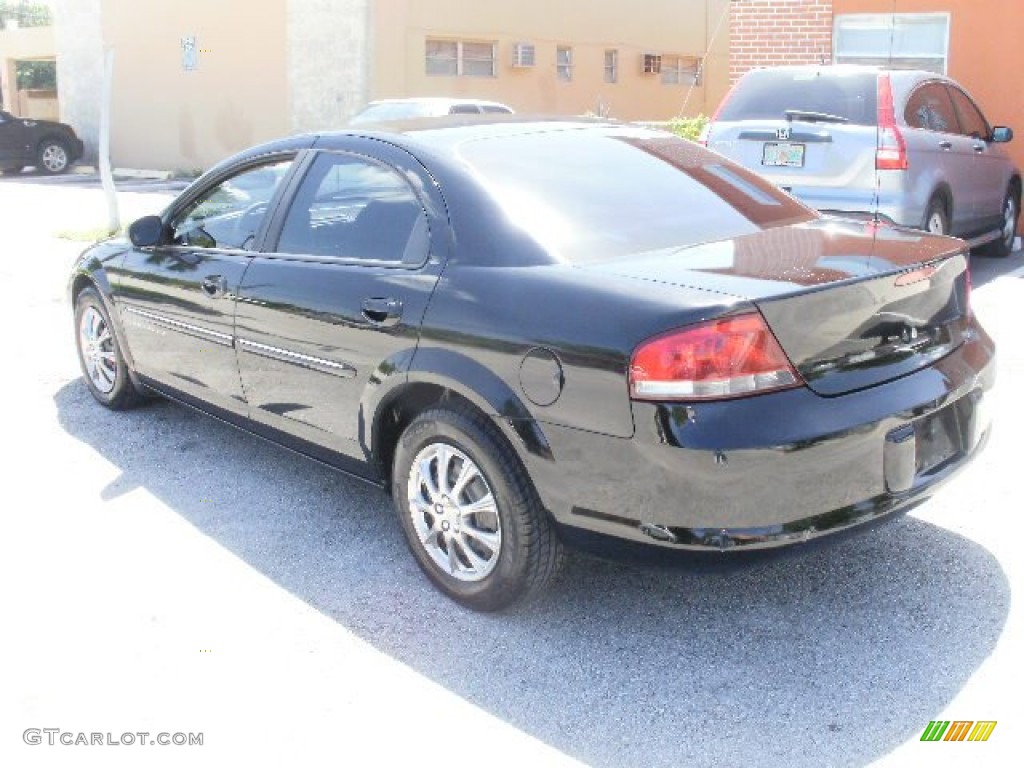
[[986, 52]]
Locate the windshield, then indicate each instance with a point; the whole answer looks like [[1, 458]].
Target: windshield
[[402, 110], [589, 196], [768, 94]]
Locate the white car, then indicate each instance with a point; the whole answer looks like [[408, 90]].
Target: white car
[[404, 109]]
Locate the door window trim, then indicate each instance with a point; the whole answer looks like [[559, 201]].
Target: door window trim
[[275, 223]]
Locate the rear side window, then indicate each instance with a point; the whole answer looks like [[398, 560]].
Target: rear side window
[[589, 197], [767, 94], [355, 209], [929, 108]]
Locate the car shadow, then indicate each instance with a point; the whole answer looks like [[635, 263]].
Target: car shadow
[[985, 269], [833, 657]]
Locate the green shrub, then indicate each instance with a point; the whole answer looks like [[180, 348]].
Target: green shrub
[[688, 127]]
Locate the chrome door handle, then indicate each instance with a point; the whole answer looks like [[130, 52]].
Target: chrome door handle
[[386, 312]]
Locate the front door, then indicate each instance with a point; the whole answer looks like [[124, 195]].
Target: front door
[[338, 295], [177, 301], [989, 179]]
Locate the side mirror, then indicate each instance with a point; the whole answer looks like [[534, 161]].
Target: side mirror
[[146, 232], [1002, 135]]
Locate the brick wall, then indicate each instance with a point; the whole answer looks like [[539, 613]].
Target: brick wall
[[773, 32]]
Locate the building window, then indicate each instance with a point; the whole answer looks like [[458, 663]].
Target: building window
[[564, 59], [454, 58], [680, 70], [611, 66], [901, 40]]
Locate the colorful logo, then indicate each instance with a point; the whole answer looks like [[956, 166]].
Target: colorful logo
[[958, 730]]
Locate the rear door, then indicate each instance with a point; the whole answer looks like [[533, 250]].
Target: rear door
[[339, 292], [812, 131]]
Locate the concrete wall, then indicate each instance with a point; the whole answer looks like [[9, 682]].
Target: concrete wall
[[328, 61], [679, 27], [79, 42]]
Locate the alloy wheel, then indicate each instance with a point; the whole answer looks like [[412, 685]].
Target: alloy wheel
[[1009, 222], [454, 512], [96, 345], [54, 158]]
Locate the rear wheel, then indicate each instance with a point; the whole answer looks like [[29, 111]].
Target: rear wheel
[[53, 157], [936, 220], [99, 353], [470, 513], [1003, 247]]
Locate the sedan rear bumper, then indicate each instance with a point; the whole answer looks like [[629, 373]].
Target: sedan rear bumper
[[775, 469]]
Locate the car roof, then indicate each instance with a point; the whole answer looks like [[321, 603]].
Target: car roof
[[852, 69], [445, 101]]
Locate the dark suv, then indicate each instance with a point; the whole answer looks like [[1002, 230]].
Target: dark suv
[[50, 146], [908, 146]]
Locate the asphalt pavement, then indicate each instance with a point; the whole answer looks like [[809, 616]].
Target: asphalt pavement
[[163, 572]]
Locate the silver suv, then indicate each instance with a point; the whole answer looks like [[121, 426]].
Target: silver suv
[[907, 146]]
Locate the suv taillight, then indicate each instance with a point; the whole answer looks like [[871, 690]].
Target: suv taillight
[[891, 154], [732, 357]]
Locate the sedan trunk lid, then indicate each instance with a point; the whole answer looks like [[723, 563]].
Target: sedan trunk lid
[[852, 304]]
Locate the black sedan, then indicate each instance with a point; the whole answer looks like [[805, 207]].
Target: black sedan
[[50, 146], [540, 332]]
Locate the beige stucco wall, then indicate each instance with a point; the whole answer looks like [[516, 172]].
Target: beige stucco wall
[[170, 118], [679, 27], [15, 44]]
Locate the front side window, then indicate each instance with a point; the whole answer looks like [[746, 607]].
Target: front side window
[[353, 208], [899, 40], [972, 122], [229, 214], [459, 58], [563, 56], [929, 108]]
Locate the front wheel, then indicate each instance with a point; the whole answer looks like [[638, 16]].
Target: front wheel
[[99, 353], [53, 157], [470, 513]]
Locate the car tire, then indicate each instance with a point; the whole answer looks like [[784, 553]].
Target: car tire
[[1003, 247], [13, 171], [936, 220], [99, 354], [503, 551], [53, 157]]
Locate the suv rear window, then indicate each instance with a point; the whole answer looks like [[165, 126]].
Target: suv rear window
[[767, 94]]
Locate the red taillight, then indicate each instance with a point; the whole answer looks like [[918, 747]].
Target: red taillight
[[732, 357], [891, 154]]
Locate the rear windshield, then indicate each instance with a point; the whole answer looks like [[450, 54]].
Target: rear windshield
[[767, 94], [590, 196]]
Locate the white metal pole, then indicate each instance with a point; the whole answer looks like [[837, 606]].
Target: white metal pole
[[106, 177]]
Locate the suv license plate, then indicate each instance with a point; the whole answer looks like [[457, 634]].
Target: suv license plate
[[785, 155]]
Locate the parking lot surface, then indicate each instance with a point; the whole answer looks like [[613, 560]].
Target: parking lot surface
[[165, 573]]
